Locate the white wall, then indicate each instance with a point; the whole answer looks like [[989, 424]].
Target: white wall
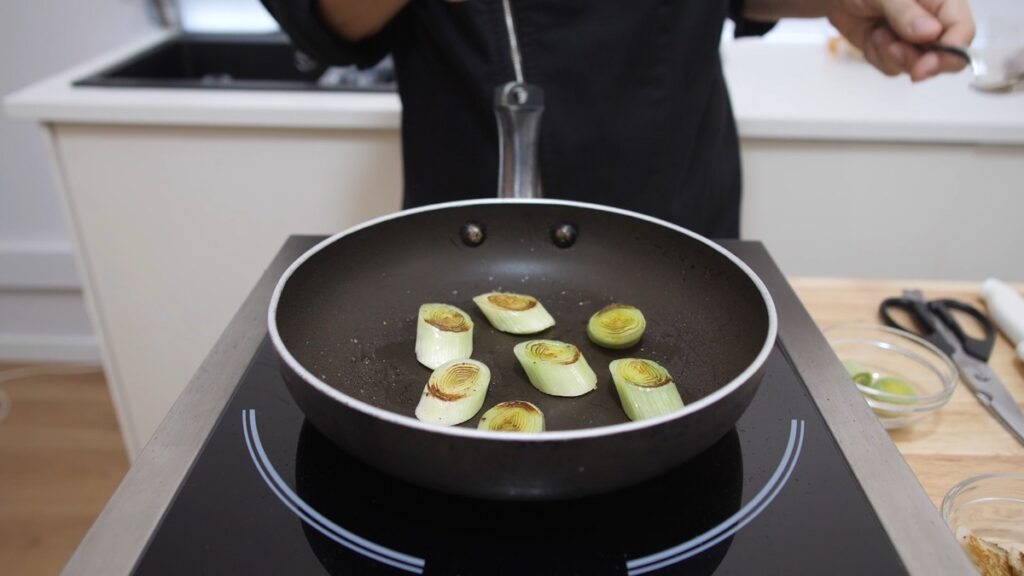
[[42, 315]]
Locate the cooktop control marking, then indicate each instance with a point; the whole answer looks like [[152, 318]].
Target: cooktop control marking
[[310, 516], [735, 522], [415, 565]]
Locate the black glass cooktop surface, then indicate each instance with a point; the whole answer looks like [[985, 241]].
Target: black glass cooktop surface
[[269, 495]]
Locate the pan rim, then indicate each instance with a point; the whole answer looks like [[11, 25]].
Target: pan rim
[[553, 436]]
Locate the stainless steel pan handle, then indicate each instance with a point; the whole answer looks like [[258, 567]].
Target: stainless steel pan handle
[[518, 107]]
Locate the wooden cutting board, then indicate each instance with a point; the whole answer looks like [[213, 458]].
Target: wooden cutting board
[[961, 439]]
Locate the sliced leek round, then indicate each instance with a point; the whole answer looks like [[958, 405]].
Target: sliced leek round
[[443, 333], [454, 393], [896, 387], [514, 313], [513, 416], [859, 372], [902, 393], [556, 368], [616, 326], [645, 388]]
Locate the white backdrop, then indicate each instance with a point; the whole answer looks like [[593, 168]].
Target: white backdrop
[[42, 315]]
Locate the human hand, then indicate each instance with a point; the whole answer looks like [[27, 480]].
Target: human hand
[[889, 32]]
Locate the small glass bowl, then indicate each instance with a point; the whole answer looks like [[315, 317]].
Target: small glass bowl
[[991, 508], [885, 352]]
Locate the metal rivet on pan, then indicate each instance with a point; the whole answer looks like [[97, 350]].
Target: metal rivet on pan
[[564, 235], [473, 233]]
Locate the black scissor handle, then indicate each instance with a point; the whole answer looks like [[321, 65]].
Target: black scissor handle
[[979, 348], [924, 320]]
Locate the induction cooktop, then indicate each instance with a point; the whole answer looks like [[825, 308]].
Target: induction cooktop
[[269, 494], [236, 481]]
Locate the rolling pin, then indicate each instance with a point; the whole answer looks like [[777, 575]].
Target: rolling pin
[[1007, 308]]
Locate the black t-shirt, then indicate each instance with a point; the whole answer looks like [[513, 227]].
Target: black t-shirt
[[636, 110]]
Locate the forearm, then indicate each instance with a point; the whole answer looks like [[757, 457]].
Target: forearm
[[357, 19], [771, 10]]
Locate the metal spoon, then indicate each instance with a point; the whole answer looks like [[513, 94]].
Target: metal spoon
[[1009, 80]]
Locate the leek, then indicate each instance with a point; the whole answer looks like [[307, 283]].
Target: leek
[[443, 333], [862, 375], [513, 416], [514, 313], [901, 393], [556, 368], [616, 326], [454, 393], [645, 388], [896, 387], [859, 372]]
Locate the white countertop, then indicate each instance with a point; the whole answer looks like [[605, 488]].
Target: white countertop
[[56, 100], [779, 91], [800, 91]]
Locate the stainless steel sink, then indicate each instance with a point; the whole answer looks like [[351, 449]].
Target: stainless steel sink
[[238, 62]]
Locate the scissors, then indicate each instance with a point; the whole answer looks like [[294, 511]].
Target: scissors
[[934, 321]]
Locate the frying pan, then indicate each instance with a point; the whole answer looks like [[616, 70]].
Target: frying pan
[[343, 321]]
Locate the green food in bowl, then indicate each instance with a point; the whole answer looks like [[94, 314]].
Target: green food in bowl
[[900, 375], [896, 387], [863, 376], [859, 372]]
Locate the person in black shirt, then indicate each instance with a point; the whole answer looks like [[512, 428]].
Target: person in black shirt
[[636, 109]]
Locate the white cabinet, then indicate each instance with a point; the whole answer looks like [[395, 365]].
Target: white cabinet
[[885, 209], [174, 225]]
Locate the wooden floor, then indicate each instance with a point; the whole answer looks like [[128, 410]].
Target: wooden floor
[[61, 458]]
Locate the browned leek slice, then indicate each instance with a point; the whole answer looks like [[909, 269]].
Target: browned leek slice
[[514, 313], [556, 368], [645, 388], [513, 416], [616, 326], [454, 393], [443, 333]]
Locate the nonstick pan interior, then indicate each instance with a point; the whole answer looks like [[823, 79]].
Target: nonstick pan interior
[[348, 313]]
